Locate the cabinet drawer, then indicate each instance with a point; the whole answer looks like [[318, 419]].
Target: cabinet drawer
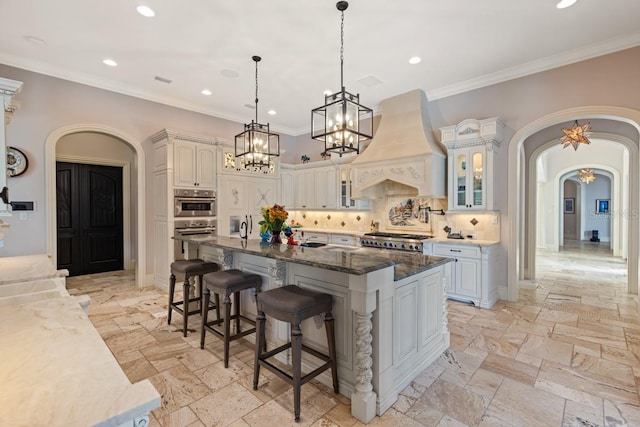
[[344, 239], [316, 237], [456, 250]]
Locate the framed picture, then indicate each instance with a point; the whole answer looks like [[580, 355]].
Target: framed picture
[[602, 205], [569, 207]]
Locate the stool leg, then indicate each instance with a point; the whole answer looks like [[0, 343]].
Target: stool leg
[[185, 304], [205, 312], [200, 282], [172, 287], [217, 302], [296, 361], [260, 345], [331, 341], [227, 328], [236, 302]]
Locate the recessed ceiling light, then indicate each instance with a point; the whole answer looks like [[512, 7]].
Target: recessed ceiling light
[[565, 3], [272, 112], [145, 11], [231, 74], [110, 62], [414, 60], [206, 92], [327, 92]]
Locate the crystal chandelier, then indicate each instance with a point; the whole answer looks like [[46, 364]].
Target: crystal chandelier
[[341, 123], [578, 134], [256, 145], [586, 175]]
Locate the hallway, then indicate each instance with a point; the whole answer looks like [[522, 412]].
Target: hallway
[[567, 354]]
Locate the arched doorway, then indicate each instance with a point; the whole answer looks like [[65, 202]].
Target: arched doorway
[[518, 236], [138, 205]]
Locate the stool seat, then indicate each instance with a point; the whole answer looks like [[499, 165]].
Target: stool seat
[[293, 304], [189, 268], [193, 267], [226, 283]]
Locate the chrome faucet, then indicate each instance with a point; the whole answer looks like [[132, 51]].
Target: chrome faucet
[[244, 224]]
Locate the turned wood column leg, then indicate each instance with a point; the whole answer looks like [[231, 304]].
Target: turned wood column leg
[[363, 399]]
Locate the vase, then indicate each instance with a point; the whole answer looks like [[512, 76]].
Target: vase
[[265, 236], [275, 238]]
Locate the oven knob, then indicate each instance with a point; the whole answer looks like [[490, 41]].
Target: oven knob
[[384, 244], [410, 246], [403, 246]]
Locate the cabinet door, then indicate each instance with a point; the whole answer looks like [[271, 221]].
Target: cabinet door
[[467, 280], [205, 161], [305, 189], [287, 189], [476, 195], [262, 192], [184, 165], [325, 188], [460, 180]]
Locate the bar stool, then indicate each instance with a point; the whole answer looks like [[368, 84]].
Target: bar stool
[[293, 304], [189, 268], [225, 283]]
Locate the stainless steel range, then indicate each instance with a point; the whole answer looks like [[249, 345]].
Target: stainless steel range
[[399, 241]]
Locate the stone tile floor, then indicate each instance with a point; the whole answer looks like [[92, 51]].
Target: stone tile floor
[[566, 354]]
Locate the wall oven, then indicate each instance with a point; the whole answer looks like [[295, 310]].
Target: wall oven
[[194, 203], [191, 227]]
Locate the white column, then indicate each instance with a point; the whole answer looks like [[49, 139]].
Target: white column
[[8, 88]]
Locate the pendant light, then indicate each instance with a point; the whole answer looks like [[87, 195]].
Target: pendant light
[[257, 145], [586, 175], [341, 123], [578, 134]]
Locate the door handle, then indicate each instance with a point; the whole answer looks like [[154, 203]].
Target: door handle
[[250, 224]]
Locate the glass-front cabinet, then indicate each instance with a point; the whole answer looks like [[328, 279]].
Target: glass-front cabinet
[[472, 146], [469, 179], [346, 177]]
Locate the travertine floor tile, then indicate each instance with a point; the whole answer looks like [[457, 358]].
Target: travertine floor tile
[[566, 354]]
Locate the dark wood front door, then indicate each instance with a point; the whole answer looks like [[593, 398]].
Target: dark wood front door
[[89, 218]]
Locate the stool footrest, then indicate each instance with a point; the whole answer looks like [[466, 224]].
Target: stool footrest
[[285, 376]]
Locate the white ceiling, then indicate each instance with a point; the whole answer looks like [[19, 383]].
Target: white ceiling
[[464, 44]]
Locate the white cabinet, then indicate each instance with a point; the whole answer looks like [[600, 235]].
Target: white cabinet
[[305, 189], [473, 272], [472, 148], [194, 165], [325, 194], [242, 198], [287, 187], [346, 178]]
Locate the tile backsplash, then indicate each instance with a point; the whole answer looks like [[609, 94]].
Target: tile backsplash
[[480, 225]]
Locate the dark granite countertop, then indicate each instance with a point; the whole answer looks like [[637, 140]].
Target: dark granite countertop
[[356, 261]]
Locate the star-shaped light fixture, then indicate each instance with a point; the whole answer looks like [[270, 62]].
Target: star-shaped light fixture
[[578, 134], [586, 175]]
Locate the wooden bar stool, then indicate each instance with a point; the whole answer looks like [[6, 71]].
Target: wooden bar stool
[[225, 283], [189, 268], [293, 304]]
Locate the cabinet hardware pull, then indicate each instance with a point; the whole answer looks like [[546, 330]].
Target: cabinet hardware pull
[[455, 250]]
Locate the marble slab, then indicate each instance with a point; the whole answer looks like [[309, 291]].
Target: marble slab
[[357, 261], [28, 268], [56, 370]]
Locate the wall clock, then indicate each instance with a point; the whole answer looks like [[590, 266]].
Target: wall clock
[[17, 162]]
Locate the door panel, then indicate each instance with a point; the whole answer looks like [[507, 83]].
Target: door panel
[[89, 219]]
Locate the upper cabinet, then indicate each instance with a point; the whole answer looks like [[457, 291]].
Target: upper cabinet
[[194, 165], [345, 180], [472, 149]]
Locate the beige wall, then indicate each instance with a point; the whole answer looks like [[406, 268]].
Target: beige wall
[[49, 103]]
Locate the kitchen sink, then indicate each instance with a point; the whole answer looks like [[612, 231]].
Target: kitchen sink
[[314, 244]]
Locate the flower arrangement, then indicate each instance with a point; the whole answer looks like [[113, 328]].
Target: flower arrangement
[[274, 218]]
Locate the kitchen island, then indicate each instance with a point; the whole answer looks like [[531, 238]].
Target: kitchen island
[[389, 306]]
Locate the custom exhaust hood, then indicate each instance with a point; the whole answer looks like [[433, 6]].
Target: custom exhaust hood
[[403, 158]]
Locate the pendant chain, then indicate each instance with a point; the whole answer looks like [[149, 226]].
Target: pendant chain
[[256, 91], [342, 51]]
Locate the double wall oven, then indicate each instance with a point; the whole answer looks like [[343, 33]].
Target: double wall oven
[[199, 206]]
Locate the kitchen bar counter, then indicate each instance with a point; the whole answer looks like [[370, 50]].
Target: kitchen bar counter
[[56, 370], [389, 309], [357, 261]]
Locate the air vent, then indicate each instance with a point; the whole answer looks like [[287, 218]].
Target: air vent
[[369, 81], [162, 79]]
